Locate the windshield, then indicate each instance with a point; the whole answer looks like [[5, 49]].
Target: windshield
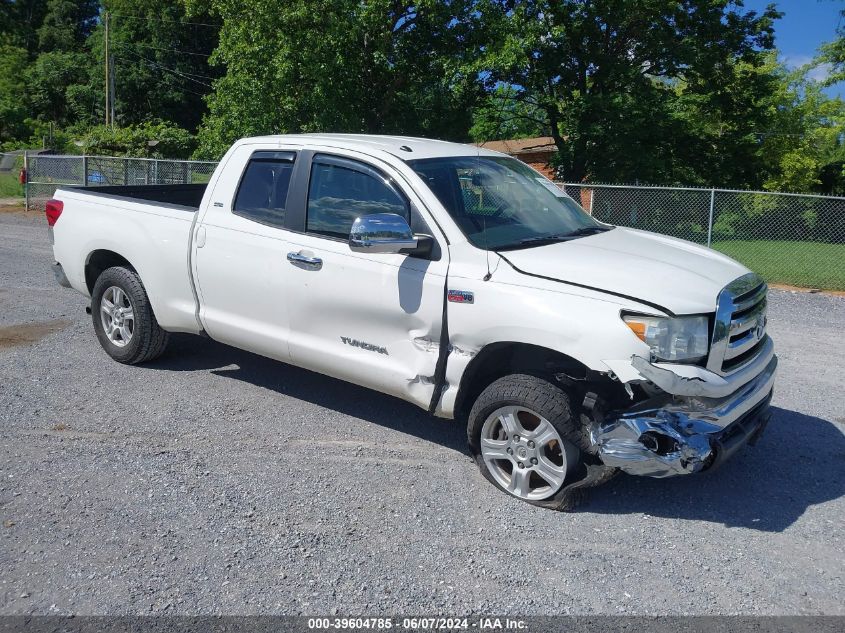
[[502, 204]]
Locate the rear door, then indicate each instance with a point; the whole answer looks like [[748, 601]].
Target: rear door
[[371, 319], [239, 253]]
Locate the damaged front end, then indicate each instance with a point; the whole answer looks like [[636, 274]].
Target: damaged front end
[[688, 424], [693, 416]]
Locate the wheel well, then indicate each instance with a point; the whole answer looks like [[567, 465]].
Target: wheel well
[[500, 359], [98, 261]]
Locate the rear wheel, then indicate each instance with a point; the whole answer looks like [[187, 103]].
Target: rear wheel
[[527, 442], [123, 318]]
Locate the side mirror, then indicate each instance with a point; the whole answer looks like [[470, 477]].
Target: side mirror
[[382, 233]]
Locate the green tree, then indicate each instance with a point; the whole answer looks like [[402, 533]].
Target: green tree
[[66, 24], [605, 72], [19, 22], [50, 80], [501, 115], [833, 53], [55, 78], [378, 66], [805, 144], [722, 115], [12, 108], [160, 61]]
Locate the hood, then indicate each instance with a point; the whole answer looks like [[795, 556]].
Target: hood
[[683, 277]]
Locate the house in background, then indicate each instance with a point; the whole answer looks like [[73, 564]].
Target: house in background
[[536, 152]]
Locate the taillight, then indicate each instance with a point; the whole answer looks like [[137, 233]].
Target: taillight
[[53, 210]]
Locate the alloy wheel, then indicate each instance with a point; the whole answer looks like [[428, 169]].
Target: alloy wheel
[[524, 453], [117, 316]]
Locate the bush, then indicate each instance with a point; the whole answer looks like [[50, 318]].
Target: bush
[[155, 139]]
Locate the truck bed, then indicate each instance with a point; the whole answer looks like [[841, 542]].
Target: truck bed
[[148, 227], [179, 197]]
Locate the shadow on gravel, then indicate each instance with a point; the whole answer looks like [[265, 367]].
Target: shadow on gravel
[[192, 353], [798, 462]]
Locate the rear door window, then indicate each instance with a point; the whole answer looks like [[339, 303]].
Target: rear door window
[[263, 191]]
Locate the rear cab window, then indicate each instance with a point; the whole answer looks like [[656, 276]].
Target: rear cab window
[[263, 191]]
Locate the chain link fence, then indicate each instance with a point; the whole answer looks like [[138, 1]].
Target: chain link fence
[[11, 189], [790, 239], [47, 172]]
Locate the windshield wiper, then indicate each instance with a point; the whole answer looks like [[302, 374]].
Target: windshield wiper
[[560, 237], [544, 239], [540, 240], [588, 230]]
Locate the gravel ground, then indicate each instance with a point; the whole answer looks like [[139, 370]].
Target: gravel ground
[[216, 481]]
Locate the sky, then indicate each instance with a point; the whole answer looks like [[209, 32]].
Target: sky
[[805, 26]]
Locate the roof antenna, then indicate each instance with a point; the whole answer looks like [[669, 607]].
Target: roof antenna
[[486, 249], [478, 157], [483, 215]]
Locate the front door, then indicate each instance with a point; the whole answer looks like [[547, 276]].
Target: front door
[[371, 319]]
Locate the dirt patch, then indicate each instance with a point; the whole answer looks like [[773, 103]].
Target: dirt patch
[[12, 204], [835, 293], [29, 333], [17, 211]]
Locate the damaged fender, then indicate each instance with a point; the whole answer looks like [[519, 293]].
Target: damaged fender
[[690, 380]]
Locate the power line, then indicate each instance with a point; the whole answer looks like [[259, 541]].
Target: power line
[[193, 92], [159, 48], [134, 17], [188, 76]]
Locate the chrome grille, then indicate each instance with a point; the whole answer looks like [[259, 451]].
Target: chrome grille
[[739, 331]]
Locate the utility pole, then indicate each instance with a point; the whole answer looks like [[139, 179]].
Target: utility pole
[[111, 89], [108, 74]]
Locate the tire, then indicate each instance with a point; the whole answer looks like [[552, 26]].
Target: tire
[[529, 400], [142, 339]]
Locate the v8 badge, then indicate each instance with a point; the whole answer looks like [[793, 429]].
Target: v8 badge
[[460, 296]]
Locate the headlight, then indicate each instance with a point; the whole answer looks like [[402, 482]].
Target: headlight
[[678, 339]]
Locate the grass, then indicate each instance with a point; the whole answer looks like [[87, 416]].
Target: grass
[[200, 179], [9, 185], [805, 264]]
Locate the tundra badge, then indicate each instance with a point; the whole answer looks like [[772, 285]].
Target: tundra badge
[[367, 346]]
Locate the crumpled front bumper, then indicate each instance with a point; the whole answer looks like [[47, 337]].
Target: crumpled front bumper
[[696, 426]]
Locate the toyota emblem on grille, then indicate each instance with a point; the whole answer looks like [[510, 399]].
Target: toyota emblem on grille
[[761, 327]]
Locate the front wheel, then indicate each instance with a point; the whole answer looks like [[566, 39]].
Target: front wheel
[[123, 318], [526, 441]]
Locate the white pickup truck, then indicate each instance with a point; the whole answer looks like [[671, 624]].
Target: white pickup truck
[[452, 277]]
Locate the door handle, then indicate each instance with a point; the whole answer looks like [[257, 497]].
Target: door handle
[[314, 263]]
